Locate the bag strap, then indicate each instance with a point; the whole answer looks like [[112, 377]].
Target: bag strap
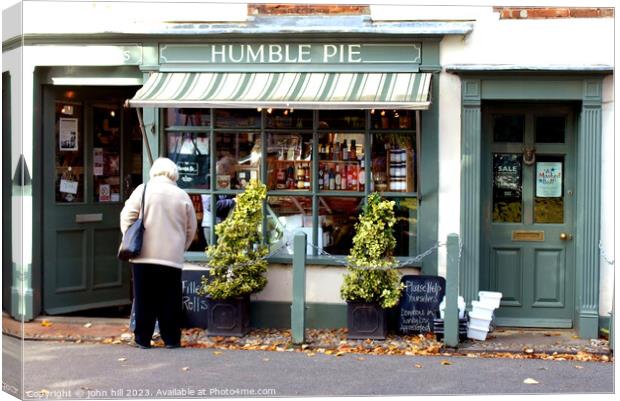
[[142, 206]]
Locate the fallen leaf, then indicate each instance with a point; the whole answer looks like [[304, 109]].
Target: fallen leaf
[[185, 369], [46, 323], [217, 352], [304, 346], [446, 363], [361, 358], [266, 359], [44, 391], [340, 353], [311, 354], [417, 365], [529, 380], [329, 352], [122, 359], [578, 367], [605, 358], [87, 325], [528, 351]]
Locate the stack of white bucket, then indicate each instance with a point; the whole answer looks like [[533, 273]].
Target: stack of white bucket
[[482, 313]]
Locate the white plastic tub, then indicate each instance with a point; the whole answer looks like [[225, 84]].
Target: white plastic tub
[[490, 298], [479, 321], [476, 334], [482, 309], [461, 306]]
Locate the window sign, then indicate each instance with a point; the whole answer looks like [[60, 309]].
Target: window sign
[[549, 179], [507, 187]]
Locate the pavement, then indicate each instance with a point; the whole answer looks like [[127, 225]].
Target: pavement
[[502, 341], [55, 370]]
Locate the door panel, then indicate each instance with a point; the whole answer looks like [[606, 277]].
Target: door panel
[[528, 216], [85, 182]]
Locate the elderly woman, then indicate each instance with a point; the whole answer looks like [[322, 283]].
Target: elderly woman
[[169, 228]]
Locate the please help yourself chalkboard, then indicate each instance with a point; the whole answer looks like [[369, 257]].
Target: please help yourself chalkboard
[[419, 303]]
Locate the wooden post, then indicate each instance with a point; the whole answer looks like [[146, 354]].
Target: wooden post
[[298, 307], [451, 317]]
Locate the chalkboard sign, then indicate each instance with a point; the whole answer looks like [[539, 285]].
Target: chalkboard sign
[[419, 302], [194, 305]]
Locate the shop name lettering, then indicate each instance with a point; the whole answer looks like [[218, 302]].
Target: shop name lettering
[[280, 53]]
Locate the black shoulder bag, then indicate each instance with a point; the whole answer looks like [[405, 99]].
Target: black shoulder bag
[[132, 240]]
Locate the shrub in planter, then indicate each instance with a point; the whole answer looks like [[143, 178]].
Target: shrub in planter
[[236, 264], [372, 284]]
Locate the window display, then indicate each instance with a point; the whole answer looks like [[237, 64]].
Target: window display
[[341, 158], [393, 162], [357, 152], [238, 159], [289, 161]]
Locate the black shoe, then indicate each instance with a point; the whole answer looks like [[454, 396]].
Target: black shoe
[[138, 345]]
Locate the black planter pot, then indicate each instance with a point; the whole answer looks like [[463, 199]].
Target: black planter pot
[[366, 320], [229, 317]]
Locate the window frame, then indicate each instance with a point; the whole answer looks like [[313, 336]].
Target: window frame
[[314, 193]]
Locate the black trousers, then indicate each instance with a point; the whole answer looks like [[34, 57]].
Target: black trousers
[[157, 296]]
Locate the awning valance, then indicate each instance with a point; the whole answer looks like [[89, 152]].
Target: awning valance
[[299, 90]]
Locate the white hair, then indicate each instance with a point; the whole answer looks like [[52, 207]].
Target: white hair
[[166, 167]]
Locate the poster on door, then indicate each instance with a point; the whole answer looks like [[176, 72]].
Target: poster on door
[[507, 175], [548, 179]]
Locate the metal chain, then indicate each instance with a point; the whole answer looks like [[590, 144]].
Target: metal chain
[[604, 254], [407, 262]]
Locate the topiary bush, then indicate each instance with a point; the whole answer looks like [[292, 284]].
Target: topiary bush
[[371, 276], [236, 262]]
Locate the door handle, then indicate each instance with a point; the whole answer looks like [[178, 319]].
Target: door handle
[[566, 236]]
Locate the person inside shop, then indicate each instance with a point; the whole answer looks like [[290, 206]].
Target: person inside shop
[[225, 170], [169, 228]]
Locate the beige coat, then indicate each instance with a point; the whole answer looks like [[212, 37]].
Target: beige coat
[[169, 222]]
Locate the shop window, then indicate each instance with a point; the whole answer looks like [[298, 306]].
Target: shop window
[[238, 159], [392, 119], [508, 128], [287, 215], [358, 152], [405, 229], [341, 160], [289, 118], [188, 117], [337, 218], [550, 129], [342, 119], [393, 162], [190, 152], [69, 153], [289, 161], [237, 118], [107, 154]]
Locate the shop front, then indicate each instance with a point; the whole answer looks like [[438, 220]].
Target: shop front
[[322, 124]]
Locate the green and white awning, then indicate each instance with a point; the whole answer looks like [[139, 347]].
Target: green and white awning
[[300, 90]]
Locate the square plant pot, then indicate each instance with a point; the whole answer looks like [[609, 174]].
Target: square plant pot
[[229, 317], [366, 320]]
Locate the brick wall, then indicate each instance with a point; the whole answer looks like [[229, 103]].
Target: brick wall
[[541, 12], [307, 9]]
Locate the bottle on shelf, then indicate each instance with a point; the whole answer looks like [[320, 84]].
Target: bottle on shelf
[[344, 182], [336, 152], [352, 177], [307, 183], [353, 151], [345, 151], [290, 178], [300, 177], [338, 178], [281, 178], [362, 174], [320, 178], [332, 180]]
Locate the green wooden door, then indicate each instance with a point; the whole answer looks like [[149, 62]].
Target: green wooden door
[[529, 179], [86, 178]]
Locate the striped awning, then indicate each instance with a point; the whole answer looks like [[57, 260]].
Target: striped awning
[[300, 90]]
